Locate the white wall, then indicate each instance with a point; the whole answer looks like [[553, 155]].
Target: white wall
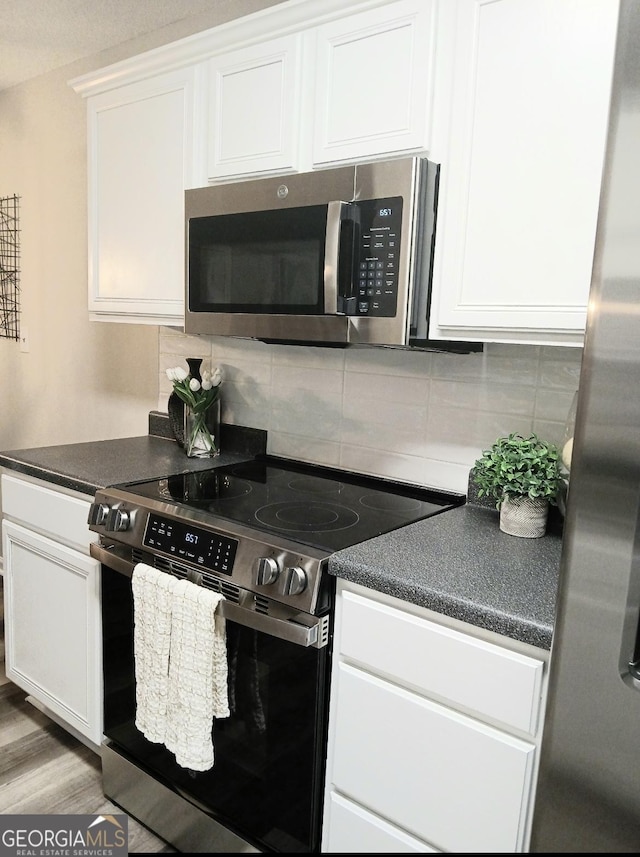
[[415, 416]]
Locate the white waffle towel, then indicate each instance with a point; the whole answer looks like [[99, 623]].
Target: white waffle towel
[[153, 606], [180, 654], [197, 675]]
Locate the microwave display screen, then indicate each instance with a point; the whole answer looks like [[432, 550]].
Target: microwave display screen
[[258, 262]]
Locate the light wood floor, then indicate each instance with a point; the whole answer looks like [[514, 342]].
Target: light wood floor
[[46, 771]]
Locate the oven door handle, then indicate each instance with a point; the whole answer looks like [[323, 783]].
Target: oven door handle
[[303, 630]]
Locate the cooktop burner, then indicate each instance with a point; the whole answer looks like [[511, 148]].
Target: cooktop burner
[[318, 506]]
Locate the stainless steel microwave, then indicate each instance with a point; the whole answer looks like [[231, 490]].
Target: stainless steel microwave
[[335, 256]]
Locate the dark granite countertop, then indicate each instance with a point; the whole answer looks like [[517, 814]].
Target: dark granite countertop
[[460, 564], [457, 563], [88, 466]]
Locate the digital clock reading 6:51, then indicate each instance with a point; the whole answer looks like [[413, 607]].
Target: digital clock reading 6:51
[[191, 544]]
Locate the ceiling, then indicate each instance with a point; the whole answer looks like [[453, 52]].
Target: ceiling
[[38, 36]]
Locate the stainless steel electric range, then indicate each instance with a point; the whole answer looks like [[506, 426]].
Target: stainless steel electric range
[[260, 533]]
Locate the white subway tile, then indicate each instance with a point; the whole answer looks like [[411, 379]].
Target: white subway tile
[[553, 404], [385, 388], [304, 378], [398, 362], [456, 435], [552, 432], [558, 374], [362, 414], [310, 356], [509, 365], [482, 396], [308, 416], [325, 452]]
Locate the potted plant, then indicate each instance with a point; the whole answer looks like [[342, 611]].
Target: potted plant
[[524, 476]]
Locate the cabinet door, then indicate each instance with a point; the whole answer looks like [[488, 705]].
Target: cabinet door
[[254, 109], [442, 777], [353, 830], [520, 185], [52, 627], [374, 82], [141, 159]]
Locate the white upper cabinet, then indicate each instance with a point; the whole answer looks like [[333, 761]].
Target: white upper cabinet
[[520, 183], [233, 102], [511, 97], [374, 82], [254, 109], [141, 159]]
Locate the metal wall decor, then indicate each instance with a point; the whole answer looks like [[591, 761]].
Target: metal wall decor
[[9, 267]]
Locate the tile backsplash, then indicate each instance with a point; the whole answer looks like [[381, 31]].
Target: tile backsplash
[[415, 416]]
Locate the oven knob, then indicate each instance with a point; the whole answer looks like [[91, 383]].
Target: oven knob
[[98, 514], [117, 520], [295, 580], [267, 570]]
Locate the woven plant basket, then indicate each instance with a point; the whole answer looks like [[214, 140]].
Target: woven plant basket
[[524, 517]]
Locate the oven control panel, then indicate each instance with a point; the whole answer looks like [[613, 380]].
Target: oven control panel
[[271, 567], [190, 543]]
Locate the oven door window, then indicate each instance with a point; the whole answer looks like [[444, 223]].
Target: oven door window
[[267, 778], [258, 262]]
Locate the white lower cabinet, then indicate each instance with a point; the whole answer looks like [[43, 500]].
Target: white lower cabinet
[[52, 604], [354, 830], [433, 734]]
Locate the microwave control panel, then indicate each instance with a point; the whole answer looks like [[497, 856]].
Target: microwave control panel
[[377, 257]]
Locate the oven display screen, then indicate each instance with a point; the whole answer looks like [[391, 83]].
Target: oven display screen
[[191, 544]]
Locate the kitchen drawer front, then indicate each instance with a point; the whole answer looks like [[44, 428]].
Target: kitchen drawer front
[[472, 674], [443, 777], [60, 515], [353, 830]]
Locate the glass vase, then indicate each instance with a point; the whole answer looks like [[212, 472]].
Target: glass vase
[[202, 431]]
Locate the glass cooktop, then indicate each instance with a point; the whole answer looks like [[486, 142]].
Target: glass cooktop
[[318, 506]]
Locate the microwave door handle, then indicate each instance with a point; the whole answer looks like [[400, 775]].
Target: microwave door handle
[[337, 212]]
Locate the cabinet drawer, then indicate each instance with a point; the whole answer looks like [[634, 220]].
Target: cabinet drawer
[[353, 830], [469, 673], [441, 776], [58, 514]]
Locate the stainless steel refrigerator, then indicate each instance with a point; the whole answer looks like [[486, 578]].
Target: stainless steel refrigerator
[[588, 796]]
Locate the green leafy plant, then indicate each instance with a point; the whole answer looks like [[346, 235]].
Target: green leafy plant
[[519, 467]]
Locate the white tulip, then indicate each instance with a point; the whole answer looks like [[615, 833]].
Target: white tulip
[[216, 378], [207, 384], [180, 373], [171, 374], [194, 385]]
